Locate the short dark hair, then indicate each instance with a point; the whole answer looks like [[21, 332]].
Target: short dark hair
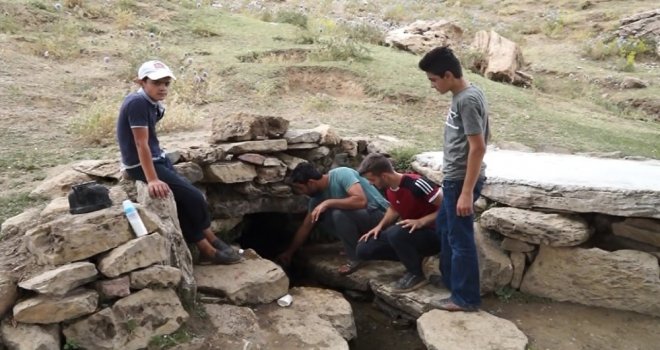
[[304, 172], [441, 60], [376, 164]]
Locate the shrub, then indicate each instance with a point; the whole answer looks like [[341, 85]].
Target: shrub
[[291, 17], [403, 157], [363, 32], [340, 49], [554, 24]]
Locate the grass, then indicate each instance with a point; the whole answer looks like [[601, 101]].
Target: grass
[[14, 204], [181, 336]]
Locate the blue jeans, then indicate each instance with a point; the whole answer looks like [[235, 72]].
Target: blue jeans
[[459, 264]]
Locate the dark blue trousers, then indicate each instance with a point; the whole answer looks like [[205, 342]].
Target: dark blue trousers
[[191, 206], [459, 264]]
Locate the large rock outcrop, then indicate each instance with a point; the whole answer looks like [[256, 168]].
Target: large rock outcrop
[[421, 36], [624, 280], [499, 59], [644, 25]]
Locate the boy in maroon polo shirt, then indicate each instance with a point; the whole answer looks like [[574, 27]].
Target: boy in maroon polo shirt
[[414, 200]]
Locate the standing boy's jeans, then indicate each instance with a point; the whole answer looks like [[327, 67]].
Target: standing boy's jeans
[[350, 225], [458, 260]]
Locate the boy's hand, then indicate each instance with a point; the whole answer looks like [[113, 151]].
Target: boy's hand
[[374, 232], [464, 206], [158, 189]]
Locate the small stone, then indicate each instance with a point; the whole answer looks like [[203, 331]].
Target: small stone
[[514, 245], [155, 276], [48, 309], [114, 288], [137, 253]]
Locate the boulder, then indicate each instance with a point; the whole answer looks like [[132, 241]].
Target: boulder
[[19, 224], [290, 161], [130, 323], [114, 288], [155, 276], [60, 184], [225, 225], [329, 136], [253, 281], [641, 230], [624, 280], [252, 158], [317, 319], [79, 236], [516, 246], [57, 207], [421, 36], [191, 171], [555, 230], [500, 59], [203, 154], [321, 262], [235, 322], [164, 212], [616, 187], [229, 173], [634, 83], [313, 154], [302, 136], [246, 127], [50, 309], [265, 146], [62, 279], [135, 254], [349, 147], [518, 262], [444, 330], [23, 336], [270, 174], [8, 292], [495, 268], [105, 168], [412, 304]]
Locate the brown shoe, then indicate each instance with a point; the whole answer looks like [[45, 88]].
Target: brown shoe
[[448, 305]]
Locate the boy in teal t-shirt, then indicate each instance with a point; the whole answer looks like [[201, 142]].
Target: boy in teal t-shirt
[[343, 202]]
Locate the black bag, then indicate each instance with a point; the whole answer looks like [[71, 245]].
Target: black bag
[[87, 197]]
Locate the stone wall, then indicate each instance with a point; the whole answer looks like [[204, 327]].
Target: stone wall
[[551, 231], [87, 280]]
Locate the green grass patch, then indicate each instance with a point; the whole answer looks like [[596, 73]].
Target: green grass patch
[[15, 203], [181, 336]]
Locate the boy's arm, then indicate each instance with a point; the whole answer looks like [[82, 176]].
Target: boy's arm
[[298, 239], [156, 187], [477, 150], [355, 199]]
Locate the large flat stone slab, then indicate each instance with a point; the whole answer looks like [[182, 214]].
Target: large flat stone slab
[[413, 303], [568, 182], [317, 319], [62, 279], [130, 323], [555, 230], [624, 280], [444, 330], [252, 281], [80, 236], [321, 262]]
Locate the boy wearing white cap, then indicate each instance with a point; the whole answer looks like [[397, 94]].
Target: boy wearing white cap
[[143, 159]]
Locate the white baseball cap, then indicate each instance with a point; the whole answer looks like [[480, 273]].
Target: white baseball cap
[[154, 70]]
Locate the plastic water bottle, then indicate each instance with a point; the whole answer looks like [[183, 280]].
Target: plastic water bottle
[[134, 218]]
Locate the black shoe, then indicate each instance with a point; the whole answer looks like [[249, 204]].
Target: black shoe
[[409, 282], [225, 257]]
